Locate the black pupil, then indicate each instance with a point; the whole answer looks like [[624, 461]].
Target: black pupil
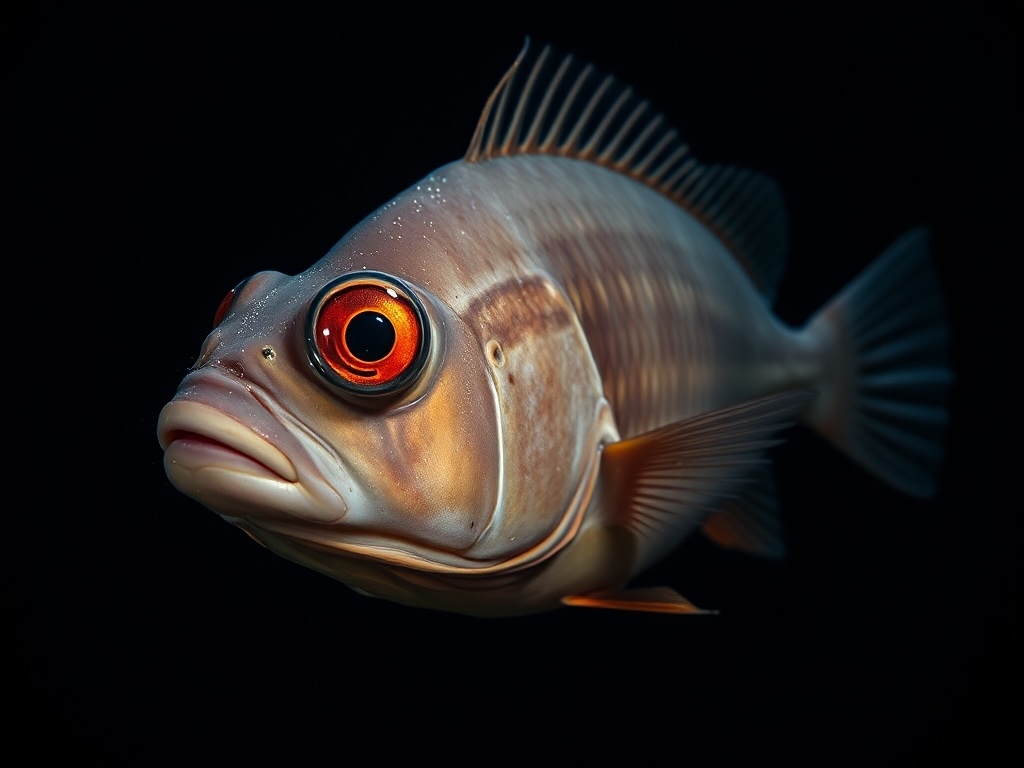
[[370, 336]]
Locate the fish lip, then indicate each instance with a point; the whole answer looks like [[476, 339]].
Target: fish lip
[[231, 446], [208, 428]]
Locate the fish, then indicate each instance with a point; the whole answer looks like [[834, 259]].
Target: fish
[[534, 373]]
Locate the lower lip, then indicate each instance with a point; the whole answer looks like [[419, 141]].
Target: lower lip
[[193, 451]]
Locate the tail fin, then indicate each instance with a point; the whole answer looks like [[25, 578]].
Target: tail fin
[[886, 376]]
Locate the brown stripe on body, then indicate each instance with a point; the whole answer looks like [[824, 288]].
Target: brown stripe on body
[[647, 332], [674, 324], [515, 310]]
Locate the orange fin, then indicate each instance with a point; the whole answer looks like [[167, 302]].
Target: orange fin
[[650, 600]]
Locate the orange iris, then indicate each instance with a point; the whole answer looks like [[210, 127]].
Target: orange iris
[[369, 334]]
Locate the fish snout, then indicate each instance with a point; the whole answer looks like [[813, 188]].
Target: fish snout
[[232, 449]]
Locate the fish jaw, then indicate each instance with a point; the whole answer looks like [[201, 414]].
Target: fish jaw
[[227, 448]]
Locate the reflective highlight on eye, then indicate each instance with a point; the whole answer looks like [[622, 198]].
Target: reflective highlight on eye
[[367, 334]]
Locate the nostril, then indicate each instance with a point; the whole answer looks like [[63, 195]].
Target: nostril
[[235, 369]]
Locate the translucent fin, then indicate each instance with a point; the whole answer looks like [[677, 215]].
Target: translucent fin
[[886, 380], [666, 482], [750, 523], [553, 105], [652, 600]]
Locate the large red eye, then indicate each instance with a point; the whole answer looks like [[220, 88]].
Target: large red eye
[[367, 333]]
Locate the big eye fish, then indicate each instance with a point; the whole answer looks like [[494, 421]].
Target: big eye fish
[[531, 375]]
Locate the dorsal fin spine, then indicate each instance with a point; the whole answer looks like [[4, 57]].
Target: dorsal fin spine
[[608, 155], [530, 142], [641, 168], [627, 159], [494, 134], [574, 137], [666, 166], [589, 151], [556, 129], [482, 142], [684, 169], [515, 127], [742, 208]]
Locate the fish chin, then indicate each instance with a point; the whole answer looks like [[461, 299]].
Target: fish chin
[[236, 472]]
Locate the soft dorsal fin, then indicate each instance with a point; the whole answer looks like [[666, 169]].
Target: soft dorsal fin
[[552, 105]]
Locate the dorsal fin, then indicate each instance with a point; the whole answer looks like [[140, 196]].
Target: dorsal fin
[[554, 105]]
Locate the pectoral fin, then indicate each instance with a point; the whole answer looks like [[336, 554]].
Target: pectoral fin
[[650, 600], [750, 523], [663, 483]]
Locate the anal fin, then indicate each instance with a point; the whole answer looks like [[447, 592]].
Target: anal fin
[[649, 600]]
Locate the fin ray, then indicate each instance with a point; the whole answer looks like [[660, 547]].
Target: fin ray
[[887, 339], [649, 600], [672, 479], [750, 523], [599, 120]]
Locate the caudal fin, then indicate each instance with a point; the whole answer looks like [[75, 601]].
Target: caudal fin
[[886, 376]]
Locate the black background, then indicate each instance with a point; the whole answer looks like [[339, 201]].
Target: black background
[[158, 154]]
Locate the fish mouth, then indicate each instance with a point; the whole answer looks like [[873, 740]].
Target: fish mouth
[[224, 456], [198, 434]]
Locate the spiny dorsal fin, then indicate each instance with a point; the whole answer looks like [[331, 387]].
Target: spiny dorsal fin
[[551, 105]]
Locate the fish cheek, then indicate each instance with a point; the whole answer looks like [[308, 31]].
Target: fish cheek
[[439, 467]]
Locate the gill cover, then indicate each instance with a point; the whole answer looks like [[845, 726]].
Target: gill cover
[[552, 416]]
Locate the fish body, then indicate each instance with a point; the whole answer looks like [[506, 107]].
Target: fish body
[[532, 374]]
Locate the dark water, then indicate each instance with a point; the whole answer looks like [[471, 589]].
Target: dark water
[[166, 154]]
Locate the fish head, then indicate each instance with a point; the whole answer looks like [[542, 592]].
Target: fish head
[[356, 419]]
